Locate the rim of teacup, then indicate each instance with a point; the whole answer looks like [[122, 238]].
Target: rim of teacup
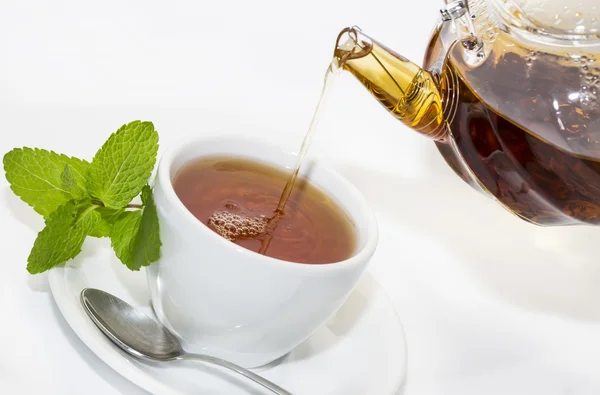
[[164, 173]]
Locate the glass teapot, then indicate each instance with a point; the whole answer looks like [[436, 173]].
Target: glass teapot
[[509, 93]]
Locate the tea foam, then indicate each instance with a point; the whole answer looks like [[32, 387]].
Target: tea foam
[[233, 226]]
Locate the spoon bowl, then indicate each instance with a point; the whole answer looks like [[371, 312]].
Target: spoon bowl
[[144, 338]]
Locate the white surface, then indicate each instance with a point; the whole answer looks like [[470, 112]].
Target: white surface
[[226, 301], [361, 350], [490, 305]]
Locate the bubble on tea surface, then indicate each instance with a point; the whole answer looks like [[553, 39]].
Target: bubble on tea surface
[[233, 226]]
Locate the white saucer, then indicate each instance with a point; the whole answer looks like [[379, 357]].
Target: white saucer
[[361, 350]]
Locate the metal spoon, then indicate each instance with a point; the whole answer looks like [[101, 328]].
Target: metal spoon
[[144, 338]]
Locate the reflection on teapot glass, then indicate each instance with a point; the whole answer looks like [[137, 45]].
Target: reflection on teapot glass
[[512, 104]]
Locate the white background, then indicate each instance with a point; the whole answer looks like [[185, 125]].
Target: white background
[[490, 304]]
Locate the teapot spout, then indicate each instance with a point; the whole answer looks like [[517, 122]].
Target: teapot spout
[[407, 91]]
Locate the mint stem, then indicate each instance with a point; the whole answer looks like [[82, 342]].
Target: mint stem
[[98, 203]]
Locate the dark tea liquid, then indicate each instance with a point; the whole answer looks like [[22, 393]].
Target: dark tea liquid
[[535, 180], [245, 195]]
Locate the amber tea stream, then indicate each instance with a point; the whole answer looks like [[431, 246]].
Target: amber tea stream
[[267, 210]]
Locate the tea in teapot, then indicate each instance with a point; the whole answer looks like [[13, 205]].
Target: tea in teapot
[[509, 93]]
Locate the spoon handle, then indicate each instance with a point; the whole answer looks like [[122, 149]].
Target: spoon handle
[[238, 369]]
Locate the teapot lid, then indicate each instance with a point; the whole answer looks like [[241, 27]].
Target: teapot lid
[[575, 20]]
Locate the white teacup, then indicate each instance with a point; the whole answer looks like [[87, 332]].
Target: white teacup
[[224, 300]]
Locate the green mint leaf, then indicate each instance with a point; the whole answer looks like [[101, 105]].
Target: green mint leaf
[[123, 165], [148, 248], [123, 236], [135, 236], [108, 218], [146, 195], [68, 179], [70, 183], [36, 176], [63, 235]]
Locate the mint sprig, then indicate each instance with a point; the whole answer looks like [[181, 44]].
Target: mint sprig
[[80, 199]]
